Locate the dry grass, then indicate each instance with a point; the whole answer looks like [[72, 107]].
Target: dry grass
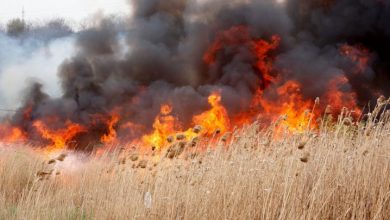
[[343, 172]]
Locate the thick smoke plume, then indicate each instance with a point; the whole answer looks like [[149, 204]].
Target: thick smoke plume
[[181, 51], [31, 53]]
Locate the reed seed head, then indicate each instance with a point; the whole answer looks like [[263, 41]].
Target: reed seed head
[[170, 139], [61, 157], [143, 164], [305, 157], [197, 129], [134, 157], [180, 137]]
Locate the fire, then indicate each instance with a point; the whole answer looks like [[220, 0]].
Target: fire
[[240, 35], [293, 106], [286, 103], [58, 138], [11, 134], [214, 119], [234, 36], [262, 49], [164, 125], [275, 98], [338, 98], [358, 55], [289, 102], [111, 135]]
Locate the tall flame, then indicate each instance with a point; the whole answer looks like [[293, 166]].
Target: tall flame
[[214, 119], [261, 50], [111, 135], [164, 125], [290, 104]]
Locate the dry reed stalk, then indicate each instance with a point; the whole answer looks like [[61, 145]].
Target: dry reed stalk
[[345, 176]]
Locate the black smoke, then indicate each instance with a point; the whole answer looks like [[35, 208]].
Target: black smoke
[[156, 57]]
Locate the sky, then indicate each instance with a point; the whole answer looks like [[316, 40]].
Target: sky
[[75, 10]]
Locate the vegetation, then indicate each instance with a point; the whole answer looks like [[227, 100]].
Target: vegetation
[[50, 30], [341, 171], [16, 27]]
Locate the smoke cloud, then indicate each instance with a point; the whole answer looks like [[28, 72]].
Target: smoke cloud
[[22, 62], [158, 56]]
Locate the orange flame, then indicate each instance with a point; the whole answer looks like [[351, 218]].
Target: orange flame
[[233, 36], [275, 98], [164, 125], [289, 104], [11, 134], [338, 98], [58, 138], [358, 54], [111, 135], [262, 49], [214, 119]]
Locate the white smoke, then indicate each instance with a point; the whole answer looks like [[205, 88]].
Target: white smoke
[[24, 60]]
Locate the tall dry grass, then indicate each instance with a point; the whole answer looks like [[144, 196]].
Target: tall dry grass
[[342, 172]]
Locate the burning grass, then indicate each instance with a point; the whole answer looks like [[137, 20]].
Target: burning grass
[[267, 93], [339, 171]]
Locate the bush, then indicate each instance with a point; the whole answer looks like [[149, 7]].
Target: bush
[[16, 27]]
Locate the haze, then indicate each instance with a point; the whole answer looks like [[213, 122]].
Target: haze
[[75, 10]]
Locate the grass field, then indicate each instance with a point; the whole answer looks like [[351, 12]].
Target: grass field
[[340, 172]]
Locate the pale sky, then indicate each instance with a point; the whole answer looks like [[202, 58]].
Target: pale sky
[[75, 10]]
